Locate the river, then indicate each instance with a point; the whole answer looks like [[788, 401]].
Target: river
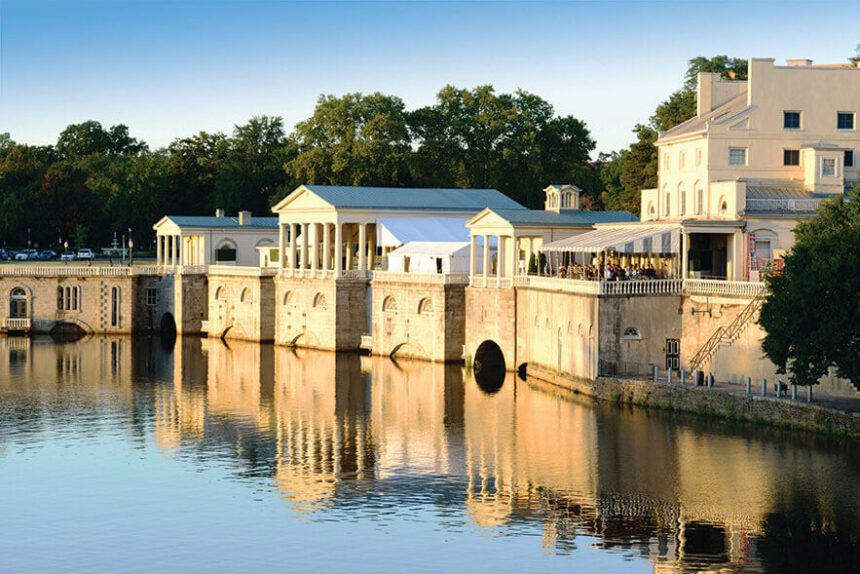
[[143, 454]]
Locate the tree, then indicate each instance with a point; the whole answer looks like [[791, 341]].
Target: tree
[[352, 140], [811, 315], [90, 137]]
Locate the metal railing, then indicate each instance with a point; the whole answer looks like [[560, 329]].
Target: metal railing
[[729, 334], [794, 205], [16, 323], [425, 278], [725, 288]]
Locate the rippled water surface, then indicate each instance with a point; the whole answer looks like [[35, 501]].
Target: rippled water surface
[[121, 454]]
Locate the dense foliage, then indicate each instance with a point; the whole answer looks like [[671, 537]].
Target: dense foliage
[[812, 313], [97, 180]]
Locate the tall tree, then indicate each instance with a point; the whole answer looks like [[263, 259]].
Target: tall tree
[[812, 312]]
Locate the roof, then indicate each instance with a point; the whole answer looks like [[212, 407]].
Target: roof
[[394, 231], [431, 248], [572, 218], [786, 190], [214, 222], [626, 239], [699, 124], [411, 199]]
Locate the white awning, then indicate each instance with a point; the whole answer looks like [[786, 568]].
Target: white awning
[[395, 231], [431, 248], [627, 239]]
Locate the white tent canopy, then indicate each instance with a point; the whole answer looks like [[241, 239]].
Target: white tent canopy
[[627, 239], [430, 257], [395, 231]]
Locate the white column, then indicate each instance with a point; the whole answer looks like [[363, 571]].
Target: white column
[[685, 255], [158, 239], [282, 244], [513, 257], [305, 239], [326, 259], [362, 247], [172, 243], [292, 246], [500, 255], [486, 270], [348, 233], [372, 261], [338, 250], [472, 255], [315, 249]]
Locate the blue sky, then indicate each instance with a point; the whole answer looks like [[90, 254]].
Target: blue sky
[[170, 69]]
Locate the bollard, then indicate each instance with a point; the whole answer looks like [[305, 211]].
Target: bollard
[[683, 377], [764, 387], [749, 386], [794, 392], [669, 376], [778, 389], [710, 380], [808, 393], [656, 373]]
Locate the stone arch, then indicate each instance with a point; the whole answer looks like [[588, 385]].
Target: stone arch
[[425, 306], [489, 366], [723, 205], [19, 302], [220, 293], [409, 349], [289, 299], [247, 296], [389, 304], [320, 301]]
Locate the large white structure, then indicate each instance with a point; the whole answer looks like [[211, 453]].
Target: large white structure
[[199, 241], [759, 155]]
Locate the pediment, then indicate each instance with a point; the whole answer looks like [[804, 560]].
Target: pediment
[[302, 199], [487, 219]]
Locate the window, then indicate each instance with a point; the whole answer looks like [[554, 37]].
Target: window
[[681, 160], [737, 156], [319, 301], [389, 305], [75, 293], [227, 254], [68, 298], [845, 121], [724, 206], [152, 296], [791, 157], [791, 120], [666, 161], [631, 334], [849, 158], [289, 299], [61, 299], [683, 202], [18, 303], [700, 201], [698, 157], [828, 167], [668, 202], [425, 307], [114, 307]]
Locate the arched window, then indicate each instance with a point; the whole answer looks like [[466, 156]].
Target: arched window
[[668, 206], [68, 298], [724, 206], [389, 304], [289, 299], [18, 303], [61, 299], [681, 159], [319, 301], [631, 334], [114, 306], [425, 306], [219, 293], [699, 208], [246, 297], [226, 252], [76, 292], [651, 211]]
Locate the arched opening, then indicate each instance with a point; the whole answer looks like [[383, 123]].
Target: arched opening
[[425, 306], [320, 302], [289, 299], [226, 252], [18, 303], [168, 324], [220, 293], [245, 297], [67, 332], [389, 304], [489, 367]]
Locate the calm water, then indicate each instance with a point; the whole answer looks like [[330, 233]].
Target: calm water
[[139, 455]]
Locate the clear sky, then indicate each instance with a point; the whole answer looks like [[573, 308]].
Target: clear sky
[[170, 69]]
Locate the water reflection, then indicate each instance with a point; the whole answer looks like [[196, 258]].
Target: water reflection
[[350, 438]]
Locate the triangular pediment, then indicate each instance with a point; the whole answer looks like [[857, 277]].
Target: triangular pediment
[[487, 219], [302, 199]]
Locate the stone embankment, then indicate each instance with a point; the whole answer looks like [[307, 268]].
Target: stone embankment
[[783, 413]]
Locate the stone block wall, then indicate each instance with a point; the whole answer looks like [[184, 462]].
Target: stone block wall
[[242, 307], [491, 314], [320, 313], [191, 303], [417, 320]]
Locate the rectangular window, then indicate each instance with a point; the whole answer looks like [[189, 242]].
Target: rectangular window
[[225, 254], [700, 201], [828, 167], [791, 120], [681, 160], [845, 121], [698, 157], [849, 158], [666, 162], [668, 202], [683, 203], [737, 156], [791, 157], [151, 296]]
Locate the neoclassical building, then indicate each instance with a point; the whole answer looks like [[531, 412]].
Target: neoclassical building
[[760, 155]]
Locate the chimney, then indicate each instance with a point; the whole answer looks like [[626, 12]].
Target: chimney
[[244, 218], [219, 212], [798, 63]]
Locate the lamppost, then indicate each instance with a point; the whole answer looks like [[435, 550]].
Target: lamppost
[[28, 238], [130, 251], [65, 248]]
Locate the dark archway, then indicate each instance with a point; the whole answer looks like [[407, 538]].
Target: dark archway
[[489, 367], [168, 331], [67, 332]]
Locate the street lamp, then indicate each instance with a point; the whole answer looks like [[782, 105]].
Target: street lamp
[[130, 251], [65, 248], [28, 238]]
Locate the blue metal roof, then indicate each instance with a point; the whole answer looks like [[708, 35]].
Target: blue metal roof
[[573, 218], [226, 222], [403, 198]]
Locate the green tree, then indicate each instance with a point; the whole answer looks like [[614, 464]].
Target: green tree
[[354, 139], [89, 137], [811, 315]]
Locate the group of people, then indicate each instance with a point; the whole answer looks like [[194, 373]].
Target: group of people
[[612, 271]]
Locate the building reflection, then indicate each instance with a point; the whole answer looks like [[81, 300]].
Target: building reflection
[[334, 432]]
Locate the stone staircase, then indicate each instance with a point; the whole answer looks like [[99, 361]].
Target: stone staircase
[[725, 336]]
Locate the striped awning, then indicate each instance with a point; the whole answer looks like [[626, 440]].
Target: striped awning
[[627, 239]]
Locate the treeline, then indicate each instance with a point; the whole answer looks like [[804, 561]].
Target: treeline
[[98, 180]]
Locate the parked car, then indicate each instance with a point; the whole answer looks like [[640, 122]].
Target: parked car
[[4, 255], [47, 255], [85, 254], [67, 256], [27, 255]]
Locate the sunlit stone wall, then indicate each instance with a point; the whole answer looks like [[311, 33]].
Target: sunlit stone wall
[[242, 307], [320, 313]]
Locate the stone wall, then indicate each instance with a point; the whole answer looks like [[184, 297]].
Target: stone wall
[[418, 320], [320, 313], [95, 302], [491, 314], [149, 312], [242, 307], [191, 306]]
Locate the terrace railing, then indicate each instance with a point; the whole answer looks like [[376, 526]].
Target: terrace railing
[[782, 205], [719, 287], [425, 278]]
